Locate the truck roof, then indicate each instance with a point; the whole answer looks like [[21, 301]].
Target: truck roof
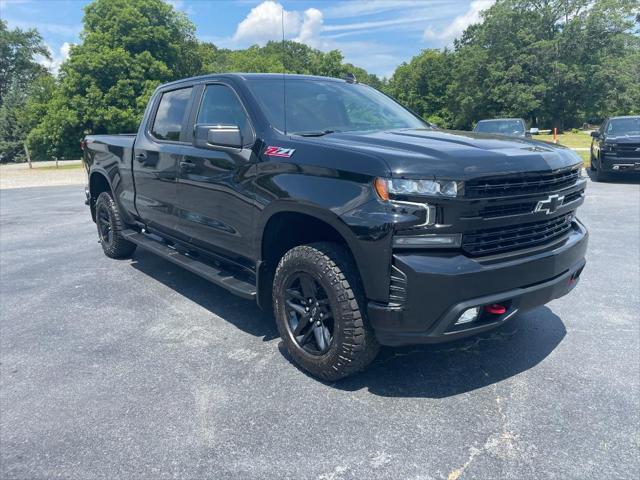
[[498, 119], [244, 76]]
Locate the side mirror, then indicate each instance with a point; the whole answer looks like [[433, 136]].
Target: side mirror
[[211, 136], [534, 131], [595, 134]]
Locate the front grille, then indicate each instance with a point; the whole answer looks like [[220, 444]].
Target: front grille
[[521, 185], [505, 239], [628, 150], [496, 211]]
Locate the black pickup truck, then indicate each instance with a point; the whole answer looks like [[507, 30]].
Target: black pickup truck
[[356, 221], [615, 147]]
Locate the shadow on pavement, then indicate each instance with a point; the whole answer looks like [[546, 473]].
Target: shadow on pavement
[[433, 371], [244, 314], [443, 370]]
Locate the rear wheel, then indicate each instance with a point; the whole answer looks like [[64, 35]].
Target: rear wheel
[[110, 227], [318, 305]]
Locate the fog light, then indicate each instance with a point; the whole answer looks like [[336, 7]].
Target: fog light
[[468, 316]]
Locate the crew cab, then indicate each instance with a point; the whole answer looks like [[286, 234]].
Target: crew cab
[[357, 222], [615, 147]]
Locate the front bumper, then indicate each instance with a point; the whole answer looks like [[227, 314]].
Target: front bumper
[[619, 164], [441, 286]]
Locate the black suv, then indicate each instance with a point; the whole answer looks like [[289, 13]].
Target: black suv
[[615, 147], [356, 221]]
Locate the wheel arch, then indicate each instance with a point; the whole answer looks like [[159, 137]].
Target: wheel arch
[[291, 225], [98, 182]]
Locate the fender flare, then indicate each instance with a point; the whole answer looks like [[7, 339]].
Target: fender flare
[[305, 208]]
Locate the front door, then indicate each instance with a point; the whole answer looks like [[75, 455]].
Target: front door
[[215, 207]]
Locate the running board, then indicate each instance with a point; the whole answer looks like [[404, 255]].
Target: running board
[[220, 277]]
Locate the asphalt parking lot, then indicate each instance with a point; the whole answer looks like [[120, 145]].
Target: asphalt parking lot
[[138, 369]]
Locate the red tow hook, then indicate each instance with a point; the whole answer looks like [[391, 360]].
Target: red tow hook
[[495, 309]]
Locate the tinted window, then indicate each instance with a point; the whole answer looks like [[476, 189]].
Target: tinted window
[[503, 127], [220, 106], [316, 105], [171, 111], [624, 126]]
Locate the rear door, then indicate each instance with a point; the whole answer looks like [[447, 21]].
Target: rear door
[[215, 206], [157, 152]]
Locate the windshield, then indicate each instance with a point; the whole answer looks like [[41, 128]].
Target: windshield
[[624, 126], [316, 106], [502, 127]]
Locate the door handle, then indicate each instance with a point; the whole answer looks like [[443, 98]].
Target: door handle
[[186, 165], [141, 157]]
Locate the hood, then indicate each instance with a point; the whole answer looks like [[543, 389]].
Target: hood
[[454, 155], [635, 138]]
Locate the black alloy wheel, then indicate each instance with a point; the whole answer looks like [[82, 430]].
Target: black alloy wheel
[[317, 301], [103, 219], [309, 316], [110, 228]]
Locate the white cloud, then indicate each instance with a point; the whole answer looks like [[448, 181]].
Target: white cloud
[[354, 8], [377, 24], [460, 23], [58, 59], [312, 26], [265, 22]]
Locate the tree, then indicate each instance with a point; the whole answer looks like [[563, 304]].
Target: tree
[[128, 48], [422, 85], [553, 62], [18, 71]]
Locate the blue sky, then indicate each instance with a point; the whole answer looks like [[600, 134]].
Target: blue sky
[[377, 35]]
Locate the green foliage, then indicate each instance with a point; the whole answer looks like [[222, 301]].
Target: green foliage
[[276, 57], [421, 85], [19, 70], [555, 63], [128, 48]]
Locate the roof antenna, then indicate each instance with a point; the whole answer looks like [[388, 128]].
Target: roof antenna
[[284, 76]]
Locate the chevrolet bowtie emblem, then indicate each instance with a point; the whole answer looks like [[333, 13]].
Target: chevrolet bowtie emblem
[[550, 205]]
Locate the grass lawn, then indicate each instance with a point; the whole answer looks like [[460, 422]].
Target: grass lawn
[[571, 140]]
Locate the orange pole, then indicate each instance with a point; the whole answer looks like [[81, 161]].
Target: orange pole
[[555, 134]]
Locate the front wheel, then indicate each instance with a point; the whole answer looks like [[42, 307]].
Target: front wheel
[[598, 174], [319, 310]]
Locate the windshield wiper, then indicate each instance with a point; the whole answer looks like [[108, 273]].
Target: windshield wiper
[[315, 134]]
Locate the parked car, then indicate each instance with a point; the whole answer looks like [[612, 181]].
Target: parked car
[[356, 221], [513, 127], [615, 147]]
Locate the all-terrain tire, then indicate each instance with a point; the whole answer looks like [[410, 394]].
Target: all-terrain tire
[[598, 174], [110, 227], [353, 345]]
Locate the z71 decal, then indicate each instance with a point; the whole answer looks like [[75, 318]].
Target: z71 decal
[[279, 152]]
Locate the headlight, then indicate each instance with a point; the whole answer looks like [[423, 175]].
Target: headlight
[[610, 147], [403, 186]]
